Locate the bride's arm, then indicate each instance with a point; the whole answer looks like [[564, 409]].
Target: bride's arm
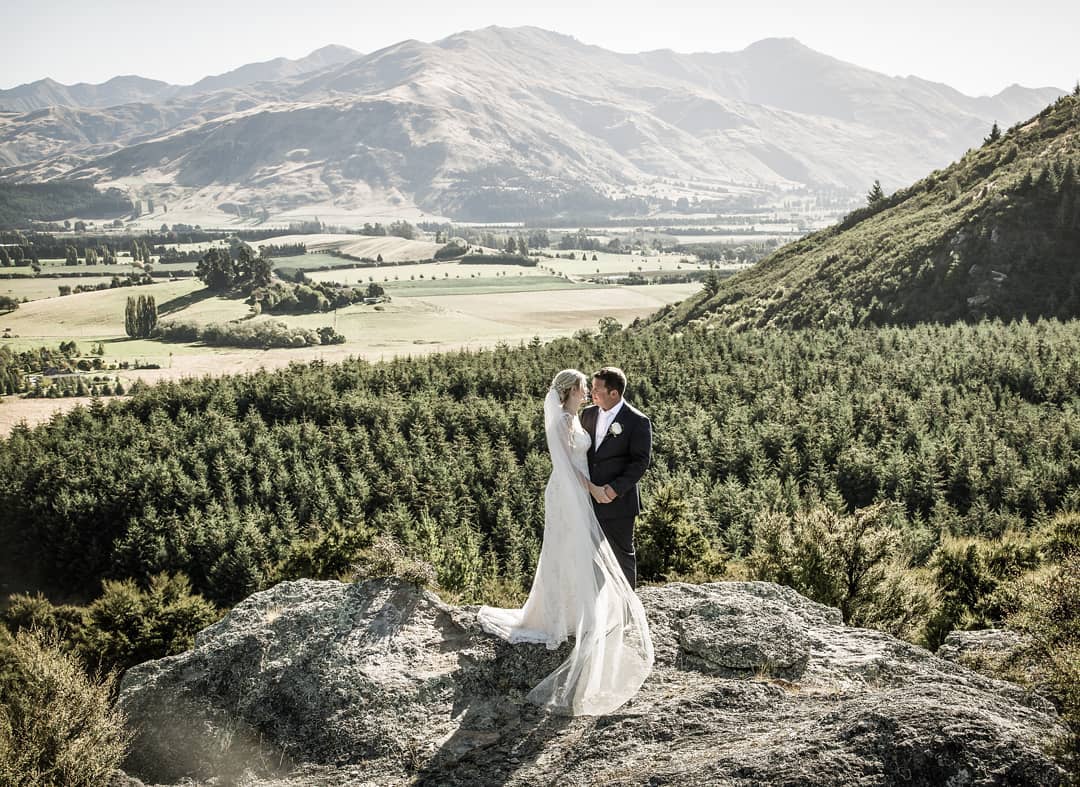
[[558, 428]]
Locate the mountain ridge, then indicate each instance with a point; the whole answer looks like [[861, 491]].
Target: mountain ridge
[[332, 53], [508, 123], [132, 88]]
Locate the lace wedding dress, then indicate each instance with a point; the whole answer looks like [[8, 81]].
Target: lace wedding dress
[[579, 591]]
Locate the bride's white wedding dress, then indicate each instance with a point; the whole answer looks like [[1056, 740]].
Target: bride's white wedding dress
[[578, 591]]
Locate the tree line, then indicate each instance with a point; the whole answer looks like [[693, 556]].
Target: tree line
[[969, 430]]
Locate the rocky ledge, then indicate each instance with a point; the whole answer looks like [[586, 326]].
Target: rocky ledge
[[380, 683]]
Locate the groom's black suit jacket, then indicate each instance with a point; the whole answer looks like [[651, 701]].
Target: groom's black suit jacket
[[621, 460]]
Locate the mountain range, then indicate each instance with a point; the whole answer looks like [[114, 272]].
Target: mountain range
[[497, 124]]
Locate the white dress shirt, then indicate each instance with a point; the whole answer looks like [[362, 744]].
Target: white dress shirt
[[604, 419]]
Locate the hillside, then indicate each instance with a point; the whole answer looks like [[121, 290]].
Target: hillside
[[56, 201], [996, 234], [508, 124]]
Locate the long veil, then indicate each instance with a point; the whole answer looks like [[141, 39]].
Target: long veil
[[579, 590]]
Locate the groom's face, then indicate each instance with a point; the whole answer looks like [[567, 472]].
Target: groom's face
[[602, 395]]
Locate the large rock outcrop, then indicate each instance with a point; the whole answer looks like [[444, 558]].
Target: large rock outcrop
[[379, 683]]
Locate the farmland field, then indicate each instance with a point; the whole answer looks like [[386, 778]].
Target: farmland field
[[481, 286], [36, 289], [97, 315], [59, 266], [610, 264], [395, 275], [406, 326], [391, 248], [310, 261]]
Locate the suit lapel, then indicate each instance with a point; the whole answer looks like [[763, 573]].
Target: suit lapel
[[588, 422]]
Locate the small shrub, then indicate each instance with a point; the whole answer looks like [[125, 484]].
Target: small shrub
[[127, 625], [1050, 614], [1062, 536], [26, 612], [386, 558], [57, 726], [327, 554], [842, 561]]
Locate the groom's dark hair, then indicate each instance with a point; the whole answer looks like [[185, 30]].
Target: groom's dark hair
[[613, 377]]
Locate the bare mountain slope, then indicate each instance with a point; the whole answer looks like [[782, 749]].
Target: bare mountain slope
[[511, 123]]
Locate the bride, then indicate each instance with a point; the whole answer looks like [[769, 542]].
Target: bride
[[579, 589]]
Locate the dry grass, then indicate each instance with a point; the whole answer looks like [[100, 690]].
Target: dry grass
[[35, 289], [97, 315]]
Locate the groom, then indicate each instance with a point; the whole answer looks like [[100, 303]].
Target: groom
[[620, 453]]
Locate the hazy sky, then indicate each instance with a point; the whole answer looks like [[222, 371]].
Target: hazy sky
[[977, 47]]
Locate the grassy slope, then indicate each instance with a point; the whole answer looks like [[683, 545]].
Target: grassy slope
[[974, 240]]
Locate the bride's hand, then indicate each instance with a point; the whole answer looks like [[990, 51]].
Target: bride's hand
[[599, 493]]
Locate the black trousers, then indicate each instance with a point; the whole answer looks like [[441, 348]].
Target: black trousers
[[620, 534]]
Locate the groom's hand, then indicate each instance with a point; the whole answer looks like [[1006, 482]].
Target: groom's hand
[[599, 494], [609, 493]]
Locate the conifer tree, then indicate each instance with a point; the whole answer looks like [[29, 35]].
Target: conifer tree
[[875, 195]]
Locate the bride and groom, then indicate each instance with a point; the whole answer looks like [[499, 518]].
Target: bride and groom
[[586, 574]]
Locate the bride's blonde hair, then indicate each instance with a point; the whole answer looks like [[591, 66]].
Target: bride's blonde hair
[[565, 381]]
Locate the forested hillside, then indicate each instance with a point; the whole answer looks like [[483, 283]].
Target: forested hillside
[[965, 430], [21, 204], [996, 234]]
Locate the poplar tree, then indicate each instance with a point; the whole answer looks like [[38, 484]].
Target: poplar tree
[[140, 316]]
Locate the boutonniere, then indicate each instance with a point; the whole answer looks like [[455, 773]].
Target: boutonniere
[[615, 429]]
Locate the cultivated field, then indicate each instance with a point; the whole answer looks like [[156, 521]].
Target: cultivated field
[[450, 318], [121, 268], [425, 271], [392, 249], [487, 285], [36, 289], [607, 264], [86, 315]]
